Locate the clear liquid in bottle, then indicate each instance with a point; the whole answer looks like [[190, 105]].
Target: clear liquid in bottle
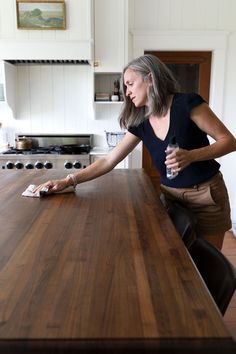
[[170, 147]]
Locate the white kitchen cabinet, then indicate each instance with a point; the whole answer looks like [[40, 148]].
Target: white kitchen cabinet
[[110, 32], [110, 51], [2, 86], [8, 85]]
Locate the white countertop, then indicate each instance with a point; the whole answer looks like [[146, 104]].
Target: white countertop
[[97, 150]]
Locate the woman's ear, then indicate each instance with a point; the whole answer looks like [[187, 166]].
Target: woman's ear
[[150, 80]]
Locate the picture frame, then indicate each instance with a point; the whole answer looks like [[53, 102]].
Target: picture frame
[[41, 15]]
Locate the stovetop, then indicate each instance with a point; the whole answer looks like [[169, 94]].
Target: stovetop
[[49, 151], [62, 144], [52, 150]]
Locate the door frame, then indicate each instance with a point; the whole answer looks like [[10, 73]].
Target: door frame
[[202, 58]]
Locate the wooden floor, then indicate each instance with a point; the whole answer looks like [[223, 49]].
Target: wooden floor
[[229, 249]]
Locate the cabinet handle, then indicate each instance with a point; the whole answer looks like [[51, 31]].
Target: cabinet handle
[[96, 63]]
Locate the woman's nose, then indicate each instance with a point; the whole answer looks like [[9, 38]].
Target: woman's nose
[[128, 92]]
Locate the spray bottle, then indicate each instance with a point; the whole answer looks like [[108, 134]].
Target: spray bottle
[[170, 147]]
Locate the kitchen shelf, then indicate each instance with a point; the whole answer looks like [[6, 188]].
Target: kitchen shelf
[[108, 102], [104, 83]]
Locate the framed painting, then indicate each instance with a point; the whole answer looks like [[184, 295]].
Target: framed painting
[[41, 15]]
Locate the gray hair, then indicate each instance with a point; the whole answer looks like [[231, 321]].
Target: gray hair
[[163, 85]]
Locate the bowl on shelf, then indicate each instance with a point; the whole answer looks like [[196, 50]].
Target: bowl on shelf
[[113, 138]]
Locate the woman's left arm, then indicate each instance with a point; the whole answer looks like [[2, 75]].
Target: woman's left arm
[[208, 122]]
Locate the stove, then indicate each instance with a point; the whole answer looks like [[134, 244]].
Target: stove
[[64, 151]]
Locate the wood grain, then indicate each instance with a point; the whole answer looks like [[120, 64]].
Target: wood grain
[[100, 270]]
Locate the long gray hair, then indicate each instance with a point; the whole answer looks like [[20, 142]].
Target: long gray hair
[[163, 85]]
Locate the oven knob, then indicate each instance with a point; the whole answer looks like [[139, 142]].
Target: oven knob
[[29, 166], [77, 164], [39, 165], [19, 165], [48, 165], [68, 164], [9, 165]]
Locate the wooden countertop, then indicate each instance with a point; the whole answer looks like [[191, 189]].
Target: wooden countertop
[[101, 270]]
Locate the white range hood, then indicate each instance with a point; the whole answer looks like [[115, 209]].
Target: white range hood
[[46, 50]]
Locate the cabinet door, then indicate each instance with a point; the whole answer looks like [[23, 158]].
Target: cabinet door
[[110, 23], [192, 70], [2, 93], [8, 85]]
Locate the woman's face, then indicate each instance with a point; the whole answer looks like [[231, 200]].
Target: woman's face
[[136, 88]]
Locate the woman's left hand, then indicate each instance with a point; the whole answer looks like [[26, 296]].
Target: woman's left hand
[[178, 159]]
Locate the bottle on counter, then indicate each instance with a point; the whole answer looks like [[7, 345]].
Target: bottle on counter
[[116, 92], [170, 147]]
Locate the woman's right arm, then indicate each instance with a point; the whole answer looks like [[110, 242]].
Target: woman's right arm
[[96, 169]]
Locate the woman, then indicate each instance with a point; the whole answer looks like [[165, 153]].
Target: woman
[[154, 111]]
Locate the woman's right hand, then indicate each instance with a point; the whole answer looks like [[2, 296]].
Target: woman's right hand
[[53, 185]]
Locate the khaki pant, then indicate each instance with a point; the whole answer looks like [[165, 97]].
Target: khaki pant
[[208, 201]]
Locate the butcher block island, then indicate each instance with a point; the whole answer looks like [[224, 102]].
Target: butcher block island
[[101, 270]]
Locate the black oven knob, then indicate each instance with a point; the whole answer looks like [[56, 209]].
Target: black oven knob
[[77, 164], [68, 164], [39, 165], [48, 165], [19, 165], [9, 165], [29, 166]]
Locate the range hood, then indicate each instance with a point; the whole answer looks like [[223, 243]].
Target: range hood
[[81, 51], [40, 62]]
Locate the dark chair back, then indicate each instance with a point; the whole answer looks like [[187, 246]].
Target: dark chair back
[[183, 220], [216, 270]]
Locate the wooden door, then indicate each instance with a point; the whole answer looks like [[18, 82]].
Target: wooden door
[[192, 70]]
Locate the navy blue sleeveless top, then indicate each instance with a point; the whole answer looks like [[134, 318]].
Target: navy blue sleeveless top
[[188, 136]]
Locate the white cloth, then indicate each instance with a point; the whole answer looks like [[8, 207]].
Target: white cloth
[[45, 191]]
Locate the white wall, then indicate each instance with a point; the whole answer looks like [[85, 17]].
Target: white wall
[[78, 23], [229, 118], [183, 14]]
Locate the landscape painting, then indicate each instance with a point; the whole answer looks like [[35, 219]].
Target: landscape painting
[[41, 15]]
